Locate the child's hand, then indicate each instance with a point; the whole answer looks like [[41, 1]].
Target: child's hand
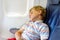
[[18, 35]]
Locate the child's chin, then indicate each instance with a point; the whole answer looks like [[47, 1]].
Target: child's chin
[[31, 20]]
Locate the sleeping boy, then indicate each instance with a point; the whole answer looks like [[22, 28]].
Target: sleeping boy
[[35, 29]]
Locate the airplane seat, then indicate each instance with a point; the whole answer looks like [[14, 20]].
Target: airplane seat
[[53, 20]]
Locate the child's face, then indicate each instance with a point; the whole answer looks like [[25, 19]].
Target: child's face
[[34, 14]]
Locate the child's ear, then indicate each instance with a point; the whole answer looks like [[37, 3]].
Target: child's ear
[[40, 12]]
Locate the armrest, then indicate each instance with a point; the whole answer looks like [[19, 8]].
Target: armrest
[[13, 30]]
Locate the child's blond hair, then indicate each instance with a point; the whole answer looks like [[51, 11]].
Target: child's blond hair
[[39, 8]]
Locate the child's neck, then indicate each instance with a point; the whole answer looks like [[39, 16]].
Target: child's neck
[[36, 19]]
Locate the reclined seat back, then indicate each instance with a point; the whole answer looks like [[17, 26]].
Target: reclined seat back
[[53, 19]]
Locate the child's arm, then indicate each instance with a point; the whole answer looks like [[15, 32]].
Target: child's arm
[[18, 33], [44, 32]]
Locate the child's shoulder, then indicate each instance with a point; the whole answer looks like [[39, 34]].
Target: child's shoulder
[[44, 24], [28, 23]]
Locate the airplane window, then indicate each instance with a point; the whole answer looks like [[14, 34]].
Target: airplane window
[[15, 7]]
